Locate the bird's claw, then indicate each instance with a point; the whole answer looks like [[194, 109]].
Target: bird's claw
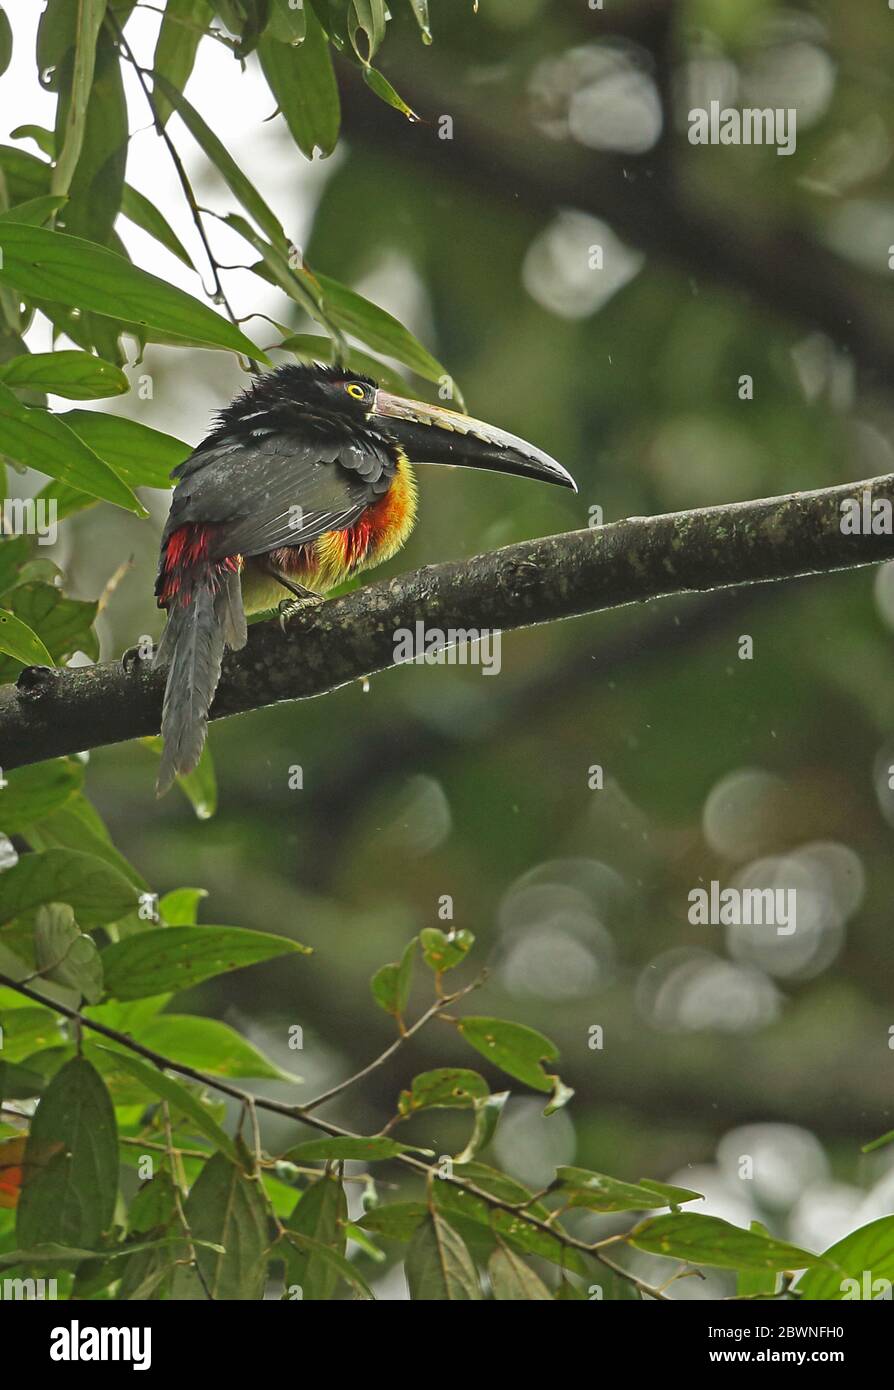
[[292, 606], [130, 658]]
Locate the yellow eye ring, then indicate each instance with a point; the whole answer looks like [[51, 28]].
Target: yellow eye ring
[[356, 391]]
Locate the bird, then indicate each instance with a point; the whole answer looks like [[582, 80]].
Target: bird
[[305, 479]]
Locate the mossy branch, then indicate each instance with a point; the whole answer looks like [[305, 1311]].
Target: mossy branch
[[49, 713]]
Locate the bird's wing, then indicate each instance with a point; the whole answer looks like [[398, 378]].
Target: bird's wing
[[276, 488]]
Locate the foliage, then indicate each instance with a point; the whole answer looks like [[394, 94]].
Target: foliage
[[121, 1079]]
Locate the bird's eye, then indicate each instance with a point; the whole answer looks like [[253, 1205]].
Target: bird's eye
[[354, 390]]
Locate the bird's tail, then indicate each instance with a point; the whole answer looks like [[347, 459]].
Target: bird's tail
[[205, 614]]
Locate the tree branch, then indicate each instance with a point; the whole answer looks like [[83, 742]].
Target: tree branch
[[49, 713], [295, 1112]]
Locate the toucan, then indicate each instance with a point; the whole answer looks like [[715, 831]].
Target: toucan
[[305, 479]]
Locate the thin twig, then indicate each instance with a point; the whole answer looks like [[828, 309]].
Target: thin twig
[[219, 294], [326, 1127], [178, 1177], [430, 1013]]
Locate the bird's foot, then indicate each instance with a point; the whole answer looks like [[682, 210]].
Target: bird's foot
[[292, 606], [130, 658]]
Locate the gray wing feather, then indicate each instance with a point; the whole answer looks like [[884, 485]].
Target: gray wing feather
[[277, 490]]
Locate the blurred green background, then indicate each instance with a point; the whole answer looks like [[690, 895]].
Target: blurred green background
[[570, 132]]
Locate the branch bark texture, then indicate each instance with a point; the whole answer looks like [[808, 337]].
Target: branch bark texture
[[51, 713]]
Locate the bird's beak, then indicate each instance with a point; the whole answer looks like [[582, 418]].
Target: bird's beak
[[431, 434]]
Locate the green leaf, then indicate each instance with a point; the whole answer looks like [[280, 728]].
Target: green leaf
[[366, 1243], [27, 1030], [444, 952], [561, 1095], [98, 181], [50, 1253], [597, 1192], [512, 1280], [43, 138], [64, 625], [96, 891], [320, 1216], [226, 1208], [43, 441], [172, 958], [465, 1207], [5, 42], [76, 825], [26, 175], [14, 553], [391, 984], [18, 640], [180, 908], [145, 215], [514, 1048], [438, 1265], [420, 10], [370, 1150], [674, 1196], [280, 268], [447, 1088], [287, 23], [35, 211], [19, 1083], [488, 1110], [125, 1017], [175, 50], [214, 149], [124, 1088], [66, 955], [396, 1221], [303, 84], [77, 375], [370, 17], [312, 347], [314, 1249], [70, 1199], [199, 786], [66, 500], [142, 456], [879, 1143], [860, 1266], [707, 1240], [207, 1044], [90, 15], [174, 1092], [378, 329], [154, 1205], [68, 270], [378, 83], [758, 1283]]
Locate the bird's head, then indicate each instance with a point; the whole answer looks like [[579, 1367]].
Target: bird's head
[[423, 433]]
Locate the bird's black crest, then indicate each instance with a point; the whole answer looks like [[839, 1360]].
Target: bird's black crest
[[294, 386]]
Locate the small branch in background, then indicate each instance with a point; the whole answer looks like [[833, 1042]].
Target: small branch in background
[[503, 158], [430, 1013], [112, 583], [294, 1112], [218, 294]]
